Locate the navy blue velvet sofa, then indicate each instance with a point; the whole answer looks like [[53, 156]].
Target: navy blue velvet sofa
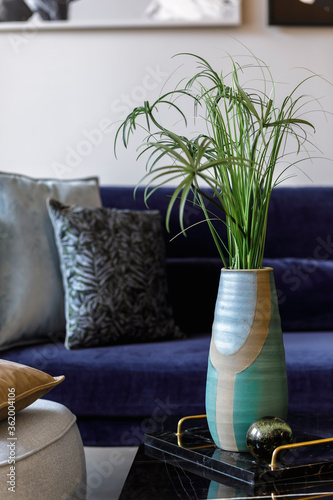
[[119, 392]]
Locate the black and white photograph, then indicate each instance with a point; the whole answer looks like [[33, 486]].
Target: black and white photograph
[[301, 12], [126, 12], [23, 10]]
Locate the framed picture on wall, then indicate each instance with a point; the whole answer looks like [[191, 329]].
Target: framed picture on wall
[[301, 12], [122, 13]]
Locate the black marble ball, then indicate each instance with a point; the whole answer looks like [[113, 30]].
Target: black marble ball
[[266, 434]]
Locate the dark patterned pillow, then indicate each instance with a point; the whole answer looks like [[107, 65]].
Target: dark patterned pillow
[[113, 268]]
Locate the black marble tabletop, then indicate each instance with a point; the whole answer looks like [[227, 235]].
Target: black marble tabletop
[[161, 473]]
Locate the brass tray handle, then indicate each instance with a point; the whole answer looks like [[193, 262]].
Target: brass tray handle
[[296, 445], [182, 420], [179, 431]]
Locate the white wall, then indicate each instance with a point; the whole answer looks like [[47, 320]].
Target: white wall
[[58, 87]]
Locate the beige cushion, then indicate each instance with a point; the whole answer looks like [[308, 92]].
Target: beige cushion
[[29, 384]]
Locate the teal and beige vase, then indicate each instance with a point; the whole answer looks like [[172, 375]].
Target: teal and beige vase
[[246, 377]]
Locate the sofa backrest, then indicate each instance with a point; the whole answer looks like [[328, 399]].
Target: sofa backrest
[[300, 221], [299, 246], [198, 240]]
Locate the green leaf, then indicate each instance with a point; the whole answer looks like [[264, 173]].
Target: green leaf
[[243, 135]]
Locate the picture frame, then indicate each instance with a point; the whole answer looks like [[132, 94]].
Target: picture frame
[[71, 14], [301, 12]]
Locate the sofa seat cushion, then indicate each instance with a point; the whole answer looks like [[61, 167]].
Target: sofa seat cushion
[[309, 358], [139, 380], [125, 380]]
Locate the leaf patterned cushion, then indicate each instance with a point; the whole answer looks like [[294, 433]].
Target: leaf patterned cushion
[[114, 274]]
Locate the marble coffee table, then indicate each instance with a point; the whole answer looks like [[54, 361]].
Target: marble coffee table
[[159, 475]]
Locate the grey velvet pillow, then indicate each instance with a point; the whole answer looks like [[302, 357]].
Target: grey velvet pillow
[[31, 290], [114, 275]]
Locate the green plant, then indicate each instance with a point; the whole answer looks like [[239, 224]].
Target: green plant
[[246, 137]]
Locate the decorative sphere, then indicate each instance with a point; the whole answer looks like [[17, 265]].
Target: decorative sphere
[[266, 434]]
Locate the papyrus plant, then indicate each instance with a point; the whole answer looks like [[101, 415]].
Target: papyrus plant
[[244, 137]]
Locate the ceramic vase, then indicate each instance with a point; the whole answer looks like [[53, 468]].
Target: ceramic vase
[[246, 377]]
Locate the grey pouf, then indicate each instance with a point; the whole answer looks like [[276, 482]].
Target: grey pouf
[[48, 453]]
